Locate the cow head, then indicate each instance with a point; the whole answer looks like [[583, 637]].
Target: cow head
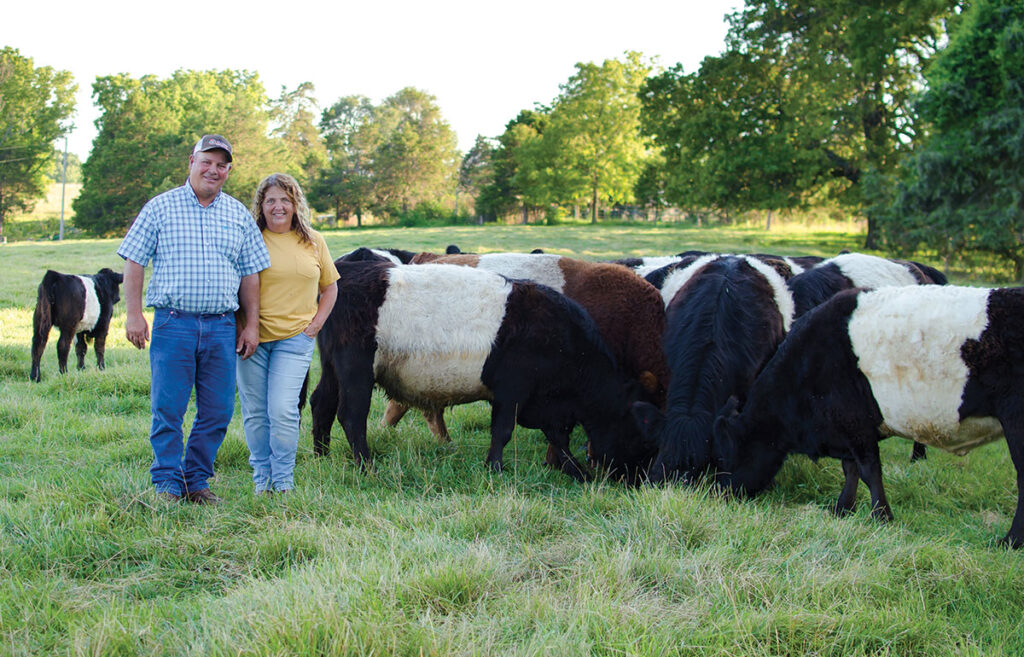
[[109, 281], [743, 463]]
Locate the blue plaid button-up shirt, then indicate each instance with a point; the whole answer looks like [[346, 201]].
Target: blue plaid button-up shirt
[[199, 254]]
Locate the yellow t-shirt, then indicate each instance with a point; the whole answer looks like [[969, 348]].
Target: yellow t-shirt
[[290, 286]]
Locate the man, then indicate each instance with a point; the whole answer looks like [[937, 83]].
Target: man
[[207, 254]]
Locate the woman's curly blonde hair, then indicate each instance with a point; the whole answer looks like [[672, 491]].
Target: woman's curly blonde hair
[[300, 222]]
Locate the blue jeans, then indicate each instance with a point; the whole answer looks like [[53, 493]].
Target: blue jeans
[[269, 382], [189, 351]]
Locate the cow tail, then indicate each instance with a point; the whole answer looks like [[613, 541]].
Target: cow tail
[[42, 319]]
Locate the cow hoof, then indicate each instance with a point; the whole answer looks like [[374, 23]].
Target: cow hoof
[[1012, 542], [496, 466]]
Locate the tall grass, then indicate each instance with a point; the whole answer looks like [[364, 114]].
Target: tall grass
[[430, 553]]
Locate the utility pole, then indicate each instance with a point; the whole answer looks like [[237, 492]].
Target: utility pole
[[63, 184]]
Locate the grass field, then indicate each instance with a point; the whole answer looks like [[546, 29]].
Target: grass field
[[432, 554]]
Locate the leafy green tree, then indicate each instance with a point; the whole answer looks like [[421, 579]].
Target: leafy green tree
[[346, 183], [476, 169], [837, 80], [592, 147], [147, 129], [36, 104], [416, 160], [726, 136], [964, 189], [293, 117], [57, 172], [501, 196]]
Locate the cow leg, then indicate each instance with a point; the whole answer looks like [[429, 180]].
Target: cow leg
[[847, 501], [81, 346], [99, 345], [435, 420], [558, 440], [323, 407], [63, 347], [503, 422], [355, 387], [394, 412], [1014, 431], [39, 338], [919, 453], [869, 464]]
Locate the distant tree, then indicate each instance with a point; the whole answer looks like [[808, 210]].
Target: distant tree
[[477, 168], [726, 135], [416, 160], [147, 129], [501, 196], [964, 190], [56, 172], [346, 183], [36, 104], [592, 142], [293, 117]]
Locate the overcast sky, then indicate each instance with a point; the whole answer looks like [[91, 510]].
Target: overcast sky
[[483, 61]]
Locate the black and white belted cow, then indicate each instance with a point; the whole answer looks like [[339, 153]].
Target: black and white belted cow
[[80, 306], [941, 365], [434, 335]]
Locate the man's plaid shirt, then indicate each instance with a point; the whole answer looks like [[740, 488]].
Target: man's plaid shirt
[[199, 254]]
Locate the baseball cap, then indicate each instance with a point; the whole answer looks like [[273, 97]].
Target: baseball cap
[[211, 142]]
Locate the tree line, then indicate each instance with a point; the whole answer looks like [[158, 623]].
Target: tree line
[[907, 113]]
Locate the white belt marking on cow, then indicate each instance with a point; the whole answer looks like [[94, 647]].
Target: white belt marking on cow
[[91, 315], [436, 328], [680, 277], [908, 342], [871, 271], [783, 297], [541, 268]]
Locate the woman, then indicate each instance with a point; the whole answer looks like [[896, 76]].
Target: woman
[[269, 381]]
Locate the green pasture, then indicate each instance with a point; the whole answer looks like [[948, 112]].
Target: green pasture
[[432, 554]]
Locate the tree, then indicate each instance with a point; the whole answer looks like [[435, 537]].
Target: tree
[[477, 169], [417, 159], [725, 134], [838, 77], [36, 105], [502, 194], [146, 132], [962, 191], [293, 117], [592, 142], [351, 139]]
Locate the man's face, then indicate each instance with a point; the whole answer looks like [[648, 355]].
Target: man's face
[[207, 172]]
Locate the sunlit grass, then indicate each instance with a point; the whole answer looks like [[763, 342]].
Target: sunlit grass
[[431, 553]]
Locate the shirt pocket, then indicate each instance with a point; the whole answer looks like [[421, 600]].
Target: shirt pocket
[[226, 240]]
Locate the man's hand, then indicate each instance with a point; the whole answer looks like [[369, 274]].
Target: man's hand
[[136, 329]]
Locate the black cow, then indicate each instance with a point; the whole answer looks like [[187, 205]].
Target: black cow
[[435, 335], [940, 365], [80, 307], [724, 320]]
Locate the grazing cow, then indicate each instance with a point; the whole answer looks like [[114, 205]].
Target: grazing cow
[[724, 320], [849, 270], [80, 307], [627, 311], [435, 335], [940, 365]]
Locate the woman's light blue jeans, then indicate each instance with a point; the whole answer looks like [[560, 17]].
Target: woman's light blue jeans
[[269, 382]]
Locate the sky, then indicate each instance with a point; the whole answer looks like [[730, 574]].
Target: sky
[[483, 61]]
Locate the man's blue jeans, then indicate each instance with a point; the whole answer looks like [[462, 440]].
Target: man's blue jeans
[[189, 351], [269, 382]]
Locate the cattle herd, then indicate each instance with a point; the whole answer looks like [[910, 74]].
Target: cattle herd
[[689, 367]]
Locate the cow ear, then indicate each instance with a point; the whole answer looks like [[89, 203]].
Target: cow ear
[[731, 407], [649, 382]]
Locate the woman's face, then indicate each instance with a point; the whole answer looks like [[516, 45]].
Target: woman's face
[[278, 210]]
